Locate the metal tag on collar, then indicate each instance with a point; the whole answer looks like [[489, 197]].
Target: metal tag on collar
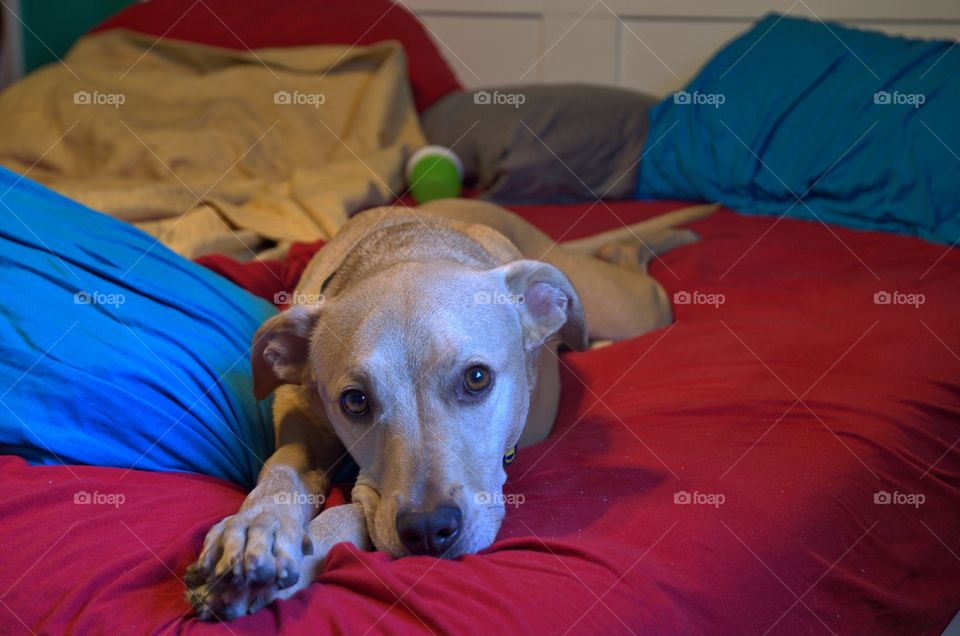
[[510, 456]]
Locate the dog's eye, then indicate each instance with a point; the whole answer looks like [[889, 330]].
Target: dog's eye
[[354, 402], [477, 379]]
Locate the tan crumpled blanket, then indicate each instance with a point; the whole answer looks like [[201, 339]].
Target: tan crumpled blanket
[[213, 150]]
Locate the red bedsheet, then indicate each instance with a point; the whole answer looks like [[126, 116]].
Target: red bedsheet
[[785, 412]]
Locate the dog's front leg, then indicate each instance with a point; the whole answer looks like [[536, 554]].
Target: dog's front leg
[[340, 524], [250, 556]]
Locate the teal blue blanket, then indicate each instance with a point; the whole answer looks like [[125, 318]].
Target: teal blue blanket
[[817, 121], [114, 351]]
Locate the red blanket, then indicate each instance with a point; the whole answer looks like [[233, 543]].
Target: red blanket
[[783, 458], [268, 279]]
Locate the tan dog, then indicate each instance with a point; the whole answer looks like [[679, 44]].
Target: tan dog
[[423, 344]]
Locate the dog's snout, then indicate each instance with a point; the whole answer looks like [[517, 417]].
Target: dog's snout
[[432, 532]]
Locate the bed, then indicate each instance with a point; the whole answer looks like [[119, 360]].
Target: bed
[[781, 459], [781, 414]]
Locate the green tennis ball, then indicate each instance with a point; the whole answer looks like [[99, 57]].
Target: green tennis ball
[[434, 172]]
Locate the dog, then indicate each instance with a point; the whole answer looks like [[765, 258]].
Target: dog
[[423, 344]]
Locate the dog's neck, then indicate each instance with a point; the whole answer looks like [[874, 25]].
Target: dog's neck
[[388, 246]]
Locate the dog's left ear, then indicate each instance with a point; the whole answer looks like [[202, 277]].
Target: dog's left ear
[[549, 305]]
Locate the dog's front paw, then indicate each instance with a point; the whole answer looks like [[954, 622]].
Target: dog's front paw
[[247, 560], [219, 600]]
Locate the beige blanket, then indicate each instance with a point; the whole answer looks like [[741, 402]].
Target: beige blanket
[[213, 150]]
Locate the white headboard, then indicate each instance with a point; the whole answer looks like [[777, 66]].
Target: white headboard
[[652, 45]]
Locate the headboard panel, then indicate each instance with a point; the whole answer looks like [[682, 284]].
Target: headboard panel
[[655, 45]]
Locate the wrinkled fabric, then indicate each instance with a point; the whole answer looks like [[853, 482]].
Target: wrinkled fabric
[[114, 351], [820, 122], [259, 24], [216, 150], [781, 494], [271, 279]]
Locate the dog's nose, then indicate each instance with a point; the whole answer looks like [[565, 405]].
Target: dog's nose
[[431, 532]]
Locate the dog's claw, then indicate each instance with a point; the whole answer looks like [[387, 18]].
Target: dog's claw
[[193, 577], [287, 578]]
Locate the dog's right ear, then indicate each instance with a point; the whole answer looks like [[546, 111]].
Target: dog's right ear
[[280, 349], [550, 306]]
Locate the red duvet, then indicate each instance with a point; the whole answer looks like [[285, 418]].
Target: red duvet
[[783, 459]]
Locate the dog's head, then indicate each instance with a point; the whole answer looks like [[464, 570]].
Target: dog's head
[[425, 372]]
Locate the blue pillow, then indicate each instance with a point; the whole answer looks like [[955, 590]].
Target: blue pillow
[[861, 125], [118, 352]]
